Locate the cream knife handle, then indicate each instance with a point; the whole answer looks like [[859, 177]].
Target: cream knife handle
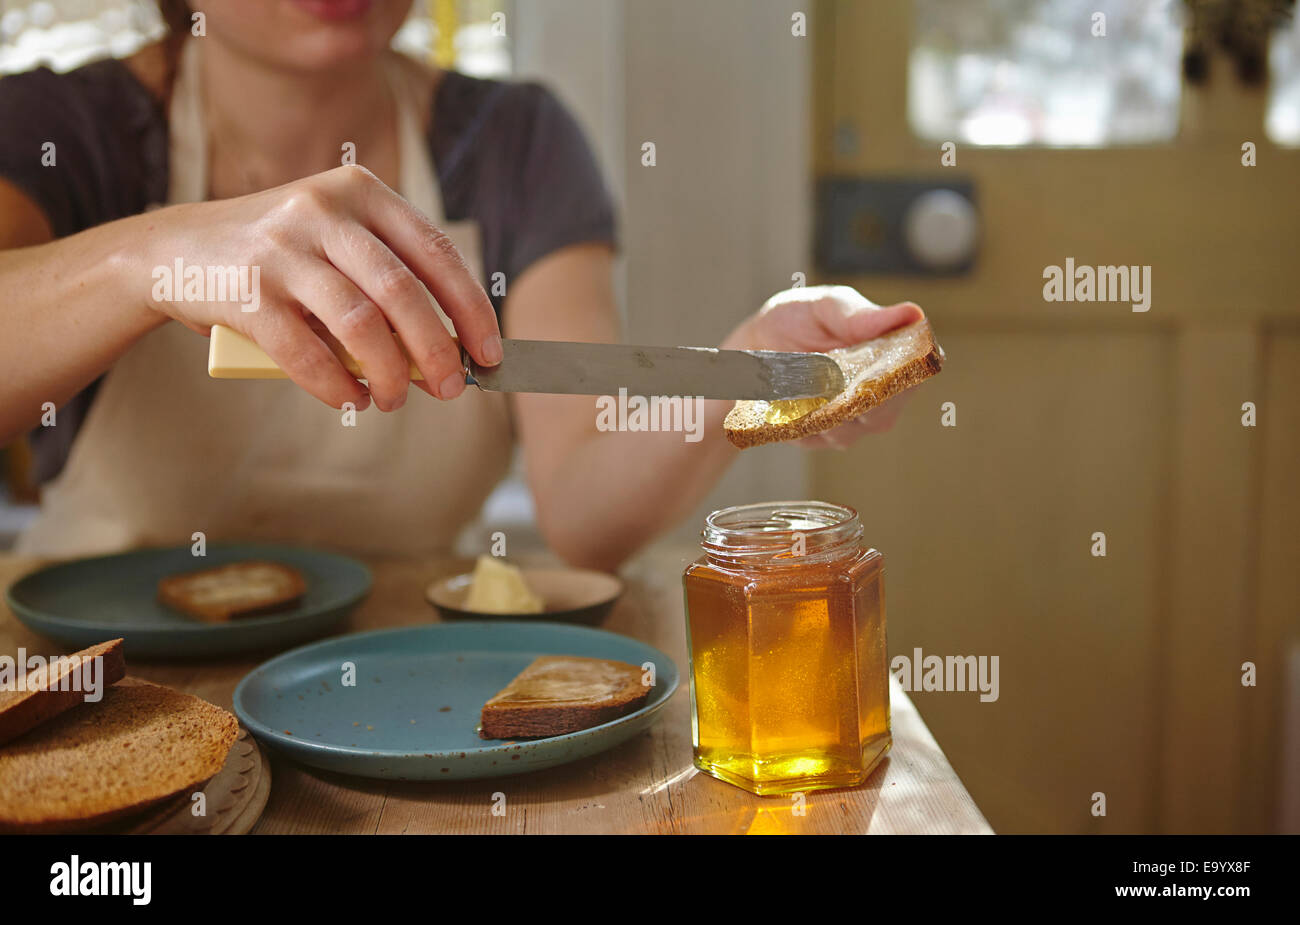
[[231, 355]]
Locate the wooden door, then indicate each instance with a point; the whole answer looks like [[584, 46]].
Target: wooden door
[[1120, 675]]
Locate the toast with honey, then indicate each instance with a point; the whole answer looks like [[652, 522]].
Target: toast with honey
[[50, 690], [874, 371], [558, 694], [238, 589]]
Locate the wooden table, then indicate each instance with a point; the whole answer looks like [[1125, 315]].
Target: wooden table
[[646, 785]]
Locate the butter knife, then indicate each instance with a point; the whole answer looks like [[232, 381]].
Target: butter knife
[[561, 367]]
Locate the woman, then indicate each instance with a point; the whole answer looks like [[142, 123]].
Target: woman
[[238, 134]]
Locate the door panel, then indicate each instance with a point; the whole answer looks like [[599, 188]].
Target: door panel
[[1276, 628], [986, 529]]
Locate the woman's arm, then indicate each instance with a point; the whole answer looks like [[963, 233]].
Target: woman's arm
[[602, 495], [339, 245], [68, 311], [599, 495]]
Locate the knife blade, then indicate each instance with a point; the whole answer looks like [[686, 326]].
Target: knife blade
[[562, 367]]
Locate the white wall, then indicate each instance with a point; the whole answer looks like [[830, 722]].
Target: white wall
[[723, 90], [576, 47]]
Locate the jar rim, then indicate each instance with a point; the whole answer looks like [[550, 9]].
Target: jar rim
[[759, 527]]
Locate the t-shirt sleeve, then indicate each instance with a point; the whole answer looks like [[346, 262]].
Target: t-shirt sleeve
[[559, 197], [48, 148], [87, 147]]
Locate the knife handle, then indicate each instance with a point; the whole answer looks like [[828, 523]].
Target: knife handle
[[231, 355]]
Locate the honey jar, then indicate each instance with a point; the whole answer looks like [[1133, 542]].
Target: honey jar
[[785, 621]]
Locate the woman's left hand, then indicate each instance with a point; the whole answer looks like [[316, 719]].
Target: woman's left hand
[[821, 318]]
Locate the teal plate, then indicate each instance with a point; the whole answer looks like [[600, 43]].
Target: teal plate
[[90, 600], [413, 711]]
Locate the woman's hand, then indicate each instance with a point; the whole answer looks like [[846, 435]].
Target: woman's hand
[[821, 318], [340, 250]]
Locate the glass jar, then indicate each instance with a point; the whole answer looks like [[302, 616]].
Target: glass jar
[[785, 621]]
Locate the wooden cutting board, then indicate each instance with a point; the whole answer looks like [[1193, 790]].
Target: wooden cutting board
[[232, 802]]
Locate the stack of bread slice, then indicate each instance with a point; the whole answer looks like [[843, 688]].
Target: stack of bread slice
[[71, 765]]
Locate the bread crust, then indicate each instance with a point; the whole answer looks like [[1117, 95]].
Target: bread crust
[[178, 591], [874, 371], [24, 710]]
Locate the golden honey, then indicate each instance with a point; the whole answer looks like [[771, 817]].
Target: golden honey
[[786, 627], [791, 409]]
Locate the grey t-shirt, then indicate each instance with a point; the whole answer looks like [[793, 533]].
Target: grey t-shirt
[[508, 155]]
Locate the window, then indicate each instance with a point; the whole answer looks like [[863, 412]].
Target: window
[[477, 42], [1033, 72], [63, 34], [1282, 122]]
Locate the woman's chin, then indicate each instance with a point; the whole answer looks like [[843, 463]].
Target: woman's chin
[[312, 35], [324, 52]]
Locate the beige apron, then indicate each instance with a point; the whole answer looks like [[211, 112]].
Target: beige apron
[[166, 452]]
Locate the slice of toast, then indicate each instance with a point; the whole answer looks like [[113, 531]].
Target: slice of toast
[[239, 589], [103, 761], [563, 693], [873, 372], [56, 687]]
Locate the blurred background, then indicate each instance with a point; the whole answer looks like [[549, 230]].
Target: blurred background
[[948, 151]]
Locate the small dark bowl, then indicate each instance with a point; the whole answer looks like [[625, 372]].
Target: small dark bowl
[[570, 595]]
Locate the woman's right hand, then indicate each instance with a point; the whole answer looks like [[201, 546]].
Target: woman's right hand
[[341, 247]]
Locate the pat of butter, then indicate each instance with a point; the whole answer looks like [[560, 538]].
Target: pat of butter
[[499, 587], [231, 355]]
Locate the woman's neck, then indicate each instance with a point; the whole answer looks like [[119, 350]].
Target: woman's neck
[[268, 126]]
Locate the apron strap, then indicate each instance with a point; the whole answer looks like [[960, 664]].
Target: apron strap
[[418, 179], [187, 162]]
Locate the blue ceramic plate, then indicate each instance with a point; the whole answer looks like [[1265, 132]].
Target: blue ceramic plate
[[90, 600], [414, 709]]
